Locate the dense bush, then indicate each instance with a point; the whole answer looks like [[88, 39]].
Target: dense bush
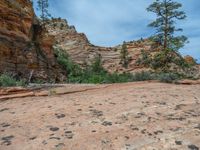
[[143, 76], [7, 80], [145, 59], [168, 77], [118, 78], [162, 60], [96, 65]]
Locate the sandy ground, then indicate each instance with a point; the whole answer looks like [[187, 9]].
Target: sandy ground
[[131, 116]]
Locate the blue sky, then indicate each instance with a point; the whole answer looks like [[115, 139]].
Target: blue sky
[[110, 22]]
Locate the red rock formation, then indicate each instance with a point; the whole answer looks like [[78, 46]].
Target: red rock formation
[[23, 46], [82, 51], [190, 60]]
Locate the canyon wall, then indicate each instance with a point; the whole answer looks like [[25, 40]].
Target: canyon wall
[[24, 48], [83, 52]]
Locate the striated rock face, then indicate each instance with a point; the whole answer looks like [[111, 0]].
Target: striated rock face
[[83, 52], [24, 49]]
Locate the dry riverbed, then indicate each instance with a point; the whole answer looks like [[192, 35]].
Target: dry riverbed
[[130, 116]]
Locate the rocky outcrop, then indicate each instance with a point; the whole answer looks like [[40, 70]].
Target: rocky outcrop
[[25, 50], [83, 52], [190, 60]]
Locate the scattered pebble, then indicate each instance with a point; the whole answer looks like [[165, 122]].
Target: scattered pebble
[[107, 123], [4, 109], [193, 147], [7, 140], [54, 128], [69, 134], [60, 115], [178, 142]]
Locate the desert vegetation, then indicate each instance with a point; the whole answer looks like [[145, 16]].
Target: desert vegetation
[[95, 73]]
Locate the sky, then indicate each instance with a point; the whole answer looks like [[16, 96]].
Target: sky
[[110, 22]]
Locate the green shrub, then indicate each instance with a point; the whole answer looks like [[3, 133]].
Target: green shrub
[[118, 78], [7, 80], [95, 78], [67, 64], [145, 59], [124, 56], [96, 65], [161, 60], [21, 82], [143, 76], [168, 77], [95, 73], [181, 62]]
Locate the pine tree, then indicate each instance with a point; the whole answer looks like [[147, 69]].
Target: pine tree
[[124, 55], [167, 12], [43, 7]]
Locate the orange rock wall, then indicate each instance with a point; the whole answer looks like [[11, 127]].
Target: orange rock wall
[[23, 46]]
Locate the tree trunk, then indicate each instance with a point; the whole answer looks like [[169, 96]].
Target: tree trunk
[[166, 27]]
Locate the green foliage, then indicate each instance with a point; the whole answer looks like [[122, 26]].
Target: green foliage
[[143, 76], [97, 64], [64, 60], [124, 56], [118, 78], [180, 61], [167, 12], [95, 73], [43, 8], [145, 59], [7, 80], [162, 60], [168, 77]]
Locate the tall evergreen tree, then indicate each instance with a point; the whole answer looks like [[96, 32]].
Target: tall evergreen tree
[[43, 6], [167, 12]]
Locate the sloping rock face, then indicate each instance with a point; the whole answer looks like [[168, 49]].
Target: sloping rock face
[[25, 51], [83, 52]]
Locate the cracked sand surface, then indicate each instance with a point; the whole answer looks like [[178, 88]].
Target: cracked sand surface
[[130, 116]]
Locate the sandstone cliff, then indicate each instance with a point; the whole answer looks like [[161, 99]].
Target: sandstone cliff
[[82, 51], [24, 49]]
